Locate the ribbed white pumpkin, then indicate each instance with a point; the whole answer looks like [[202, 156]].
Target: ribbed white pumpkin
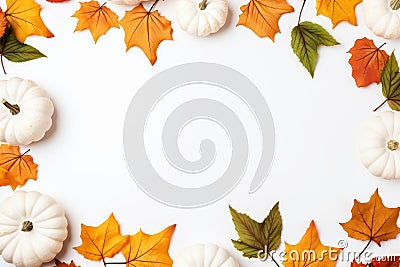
[[379, 145], [32, 229], [127, 2], [204, 255], [381, 18], [25, 111], [201, 18]]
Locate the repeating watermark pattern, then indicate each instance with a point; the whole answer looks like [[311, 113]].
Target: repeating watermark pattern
[[178, 77]]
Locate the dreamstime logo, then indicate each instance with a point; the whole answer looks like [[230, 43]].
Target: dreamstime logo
[[170, 80]]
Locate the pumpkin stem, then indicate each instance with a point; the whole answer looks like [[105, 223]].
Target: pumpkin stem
[[395, 4], [14, 109], [392, 145], [203, 4], [27, 226]]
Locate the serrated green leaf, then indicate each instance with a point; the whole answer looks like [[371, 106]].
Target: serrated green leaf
[[306, 38], [254, 236], [272, 228], [16, 51], [247, 251], [390, 79]]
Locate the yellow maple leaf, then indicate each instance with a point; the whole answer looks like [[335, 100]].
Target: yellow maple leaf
[[146, 30], [149, 250], [24, 18], [262, 16], [98, 19], [310, 251], [338, 10], [103, 241], [372, 221], [16, 168]]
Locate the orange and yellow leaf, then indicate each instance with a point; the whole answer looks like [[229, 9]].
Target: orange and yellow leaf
[[145, 30], [103, 241], [16, 169], [24, 18], [310, 251], [338, 10], [372, 221], [262, 16], [98, 19], [145, 250], [367, 62]]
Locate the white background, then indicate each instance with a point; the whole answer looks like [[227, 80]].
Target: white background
[[316, 174]]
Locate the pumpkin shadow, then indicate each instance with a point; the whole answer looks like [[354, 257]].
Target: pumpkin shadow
[[53, 126]]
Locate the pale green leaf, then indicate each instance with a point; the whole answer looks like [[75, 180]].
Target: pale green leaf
[[306, 38], [16, 51], [390, 79]]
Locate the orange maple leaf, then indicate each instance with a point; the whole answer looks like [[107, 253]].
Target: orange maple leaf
[[24, 18], [145, 29], [386, 261], [367, 62], [3, 23], [310, 251], [63, 264], [16, 169], [149, 250], [338, 10], [372, 221], [262, 16], [103, 241], [98, 19]]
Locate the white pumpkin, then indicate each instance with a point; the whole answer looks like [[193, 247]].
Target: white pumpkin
[[201, 17], [379, 145], [381, 18], [32, 229], [204, 255], [25, 111], [127, 2]]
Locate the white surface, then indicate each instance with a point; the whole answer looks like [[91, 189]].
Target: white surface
[[316, 173]]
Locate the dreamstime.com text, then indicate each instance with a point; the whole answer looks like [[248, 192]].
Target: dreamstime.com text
[[331, 254]]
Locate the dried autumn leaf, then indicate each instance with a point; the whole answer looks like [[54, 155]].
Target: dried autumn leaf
[[98, 19], [103, 241], [367, 62], [307, 37], [3, 23], [386, 261], [310, 251], [19, 167], [145, 30], [63, 264], [338, 10], [145, 250], [390, 79], [262, 16], [372, 221], [254, 236], [24, 17]]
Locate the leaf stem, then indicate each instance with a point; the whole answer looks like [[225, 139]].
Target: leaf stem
[[272, 258], [152, 7], [381, 46], [301, 11], [364, 249], [383, 103]]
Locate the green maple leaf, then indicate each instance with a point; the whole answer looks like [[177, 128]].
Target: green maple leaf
[[306, 38], [15, 51], [254, 236], [390, 78]]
